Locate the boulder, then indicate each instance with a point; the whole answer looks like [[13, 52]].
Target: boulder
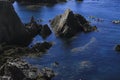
[[45, 31], [12, 72], [12, 30], [47, 74], [117, 48], [69, 24]]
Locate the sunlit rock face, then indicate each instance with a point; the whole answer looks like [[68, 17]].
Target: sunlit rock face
[[69, 24]]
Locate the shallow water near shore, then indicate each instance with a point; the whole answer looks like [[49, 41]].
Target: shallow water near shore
[[94, 49]]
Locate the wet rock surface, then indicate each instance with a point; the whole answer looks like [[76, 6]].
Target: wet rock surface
[[69, 24], [18, 51], [18, 69], [41, 47]]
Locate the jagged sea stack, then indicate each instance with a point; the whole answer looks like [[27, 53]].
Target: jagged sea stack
[[69, 24], [12, 30]]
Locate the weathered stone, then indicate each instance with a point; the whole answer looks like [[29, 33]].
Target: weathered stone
[[69, 24], [17, 69]]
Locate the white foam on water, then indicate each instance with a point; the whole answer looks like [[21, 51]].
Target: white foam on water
[[82, 48]]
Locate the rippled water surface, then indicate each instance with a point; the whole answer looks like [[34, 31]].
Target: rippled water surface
[[88, 56]]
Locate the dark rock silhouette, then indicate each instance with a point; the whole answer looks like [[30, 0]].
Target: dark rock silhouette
[[117, 48], [45, 31], [33, 27], [12, 31], [69, 24], [79, 0], [40, 1]]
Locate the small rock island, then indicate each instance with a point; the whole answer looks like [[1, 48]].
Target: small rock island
[[69, 24]]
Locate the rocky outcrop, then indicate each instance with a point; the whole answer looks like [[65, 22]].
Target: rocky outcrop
[[33, 27], [40, 1], [17, 69], [68, 24], [12, 31], [45, 31], [117, 48], [14, 51], [41, 47]]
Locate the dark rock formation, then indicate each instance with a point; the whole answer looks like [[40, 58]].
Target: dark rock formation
[[40, 1], [117, 48], [45, 31], [17, 69], [14, 51], [79, 0], [68, 24], [33, 27], [12, 31], [41, 47]]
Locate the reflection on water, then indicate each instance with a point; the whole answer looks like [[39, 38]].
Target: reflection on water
[[95, 48]]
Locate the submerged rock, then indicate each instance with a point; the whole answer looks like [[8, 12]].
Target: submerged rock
[[69, 24], [86, 66], [116, 21], [55, 64], [117, 48]]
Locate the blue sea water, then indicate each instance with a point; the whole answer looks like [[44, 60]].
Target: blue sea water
[[87, 56]]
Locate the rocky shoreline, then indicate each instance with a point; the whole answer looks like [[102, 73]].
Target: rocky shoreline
[[14, 40], [18, 69], [16, 36]]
